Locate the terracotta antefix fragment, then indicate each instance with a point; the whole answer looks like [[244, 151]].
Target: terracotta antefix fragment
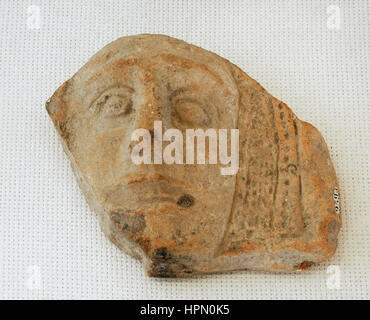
[[279, 212]]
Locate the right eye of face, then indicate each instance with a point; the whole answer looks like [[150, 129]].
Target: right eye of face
[[191, 112], [113, 103]]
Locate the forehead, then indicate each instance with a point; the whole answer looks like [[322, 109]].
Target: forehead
[[148, 57]]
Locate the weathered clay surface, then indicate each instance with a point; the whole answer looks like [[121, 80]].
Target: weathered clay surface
[[276, 214]]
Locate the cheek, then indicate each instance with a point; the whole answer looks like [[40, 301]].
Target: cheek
[[227, 113], [103, 157]]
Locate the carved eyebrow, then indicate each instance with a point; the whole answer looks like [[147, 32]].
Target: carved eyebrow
[[129, 89], [120, 86], [178, 91]]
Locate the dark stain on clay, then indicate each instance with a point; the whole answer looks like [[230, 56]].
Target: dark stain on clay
[[186, 201], [133, 224], [161, 254], [165, 265], [304, 265]]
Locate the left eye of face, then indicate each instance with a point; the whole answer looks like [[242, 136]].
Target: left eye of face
[[116, 106], [115, 102]]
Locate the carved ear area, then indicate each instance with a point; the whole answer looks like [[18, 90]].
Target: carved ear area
[[320, 185], [57, 107], [317, 165], [243, 81]]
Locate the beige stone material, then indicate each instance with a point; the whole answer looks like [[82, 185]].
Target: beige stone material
[[280, 212]]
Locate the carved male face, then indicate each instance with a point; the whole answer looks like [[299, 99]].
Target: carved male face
[[125, 89], [276, 214]]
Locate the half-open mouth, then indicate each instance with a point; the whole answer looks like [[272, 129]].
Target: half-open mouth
[[147, 191], [133, 179]]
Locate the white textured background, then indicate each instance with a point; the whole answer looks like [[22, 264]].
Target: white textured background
[[46, 228]]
